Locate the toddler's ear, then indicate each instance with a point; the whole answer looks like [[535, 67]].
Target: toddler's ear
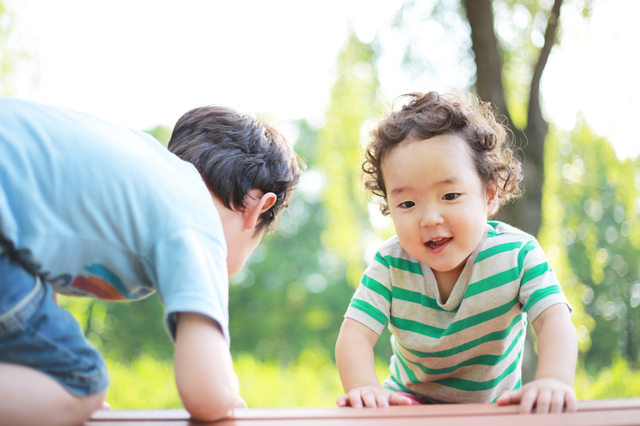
[[258, 203], [492, 199]]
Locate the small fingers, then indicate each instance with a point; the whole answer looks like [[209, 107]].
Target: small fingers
[[527, 401], [510, 397], [342, 401], [545, 396], [355, 399], [382, 399], [240, 403], [557, 402], [570, 402], [543, 401], [504, 399], [395, 399], [369, 399]]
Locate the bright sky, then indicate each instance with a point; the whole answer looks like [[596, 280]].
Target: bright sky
[[140, 63]]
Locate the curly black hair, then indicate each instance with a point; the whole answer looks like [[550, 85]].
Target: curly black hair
[[427, 115]]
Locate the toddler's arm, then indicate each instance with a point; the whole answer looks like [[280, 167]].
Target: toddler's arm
[[552, 389], [204, 372], [356, 366]]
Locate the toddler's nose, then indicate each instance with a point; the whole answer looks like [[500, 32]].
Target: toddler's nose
[[431, 218]]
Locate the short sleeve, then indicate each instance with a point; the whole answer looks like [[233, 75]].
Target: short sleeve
[[191, 275], [371, 303], [539, 286]]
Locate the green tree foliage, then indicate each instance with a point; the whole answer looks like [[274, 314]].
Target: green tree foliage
[[520, 27], [617, 381], [354, 101], [11, 53], [123, 331], [161, 133], [591, 231], [146, 383], [292, 293], [310, 381]]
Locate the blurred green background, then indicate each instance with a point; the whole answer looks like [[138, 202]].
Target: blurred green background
[[286, 305]]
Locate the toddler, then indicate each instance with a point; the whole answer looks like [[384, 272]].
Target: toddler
[[456, 290]]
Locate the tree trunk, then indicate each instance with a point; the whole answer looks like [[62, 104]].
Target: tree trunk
[[525, 213]]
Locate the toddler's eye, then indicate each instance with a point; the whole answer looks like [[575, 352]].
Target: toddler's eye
[[450, 197], [406, 204]]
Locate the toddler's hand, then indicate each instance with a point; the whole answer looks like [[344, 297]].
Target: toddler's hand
[[548, 395], [371, 396], [240, 403]]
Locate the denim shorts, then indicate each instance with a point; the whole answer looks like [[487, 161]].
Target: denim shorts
[[35, 332]]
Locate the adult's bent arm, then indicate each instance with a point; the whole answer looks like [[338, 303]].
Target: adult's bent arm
[[205, 379]]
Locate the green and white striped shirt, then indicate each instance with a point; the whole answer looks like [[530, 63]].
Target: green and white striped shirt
[[468, 349]]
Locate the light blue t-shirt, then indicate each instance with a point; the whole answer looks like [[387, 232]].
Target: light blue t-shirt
[[104, 211]]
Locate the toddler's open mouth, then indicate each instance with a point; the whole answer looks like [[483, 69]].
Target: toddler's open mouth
[[437, 242]]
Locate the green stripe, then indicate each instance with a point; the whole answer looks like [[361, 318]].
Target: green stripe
[[481, 317], [492, 232], [417, 327], [491, 360], [400, 385], [540, 294], [369, 310], [535, 272], [398, 375], [494, 281], [455, 327], [410, 374], [493, 336], [381, 260], [376, 287], [504, 277], [419, 298], [470, 385], [516, 387], [530, 246], [500, 248], [403, 264]]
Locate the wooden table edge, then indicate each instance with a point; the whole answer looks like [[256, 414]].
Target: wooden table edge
[[346, 413]]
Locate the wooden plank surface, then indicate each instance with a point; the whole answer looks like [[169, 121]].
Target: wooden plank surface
[[599, 418], [590, 413]]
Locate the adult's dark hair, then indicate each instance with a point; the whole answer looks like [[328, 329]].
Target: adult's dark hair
[[236, 153], [427, 115]]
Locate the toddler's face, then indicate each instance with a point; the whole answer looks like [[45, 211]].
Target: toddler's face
[[437, 201]]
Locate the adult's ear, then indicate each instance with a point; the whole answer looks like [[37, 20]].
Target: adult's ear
[[258, 203]]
